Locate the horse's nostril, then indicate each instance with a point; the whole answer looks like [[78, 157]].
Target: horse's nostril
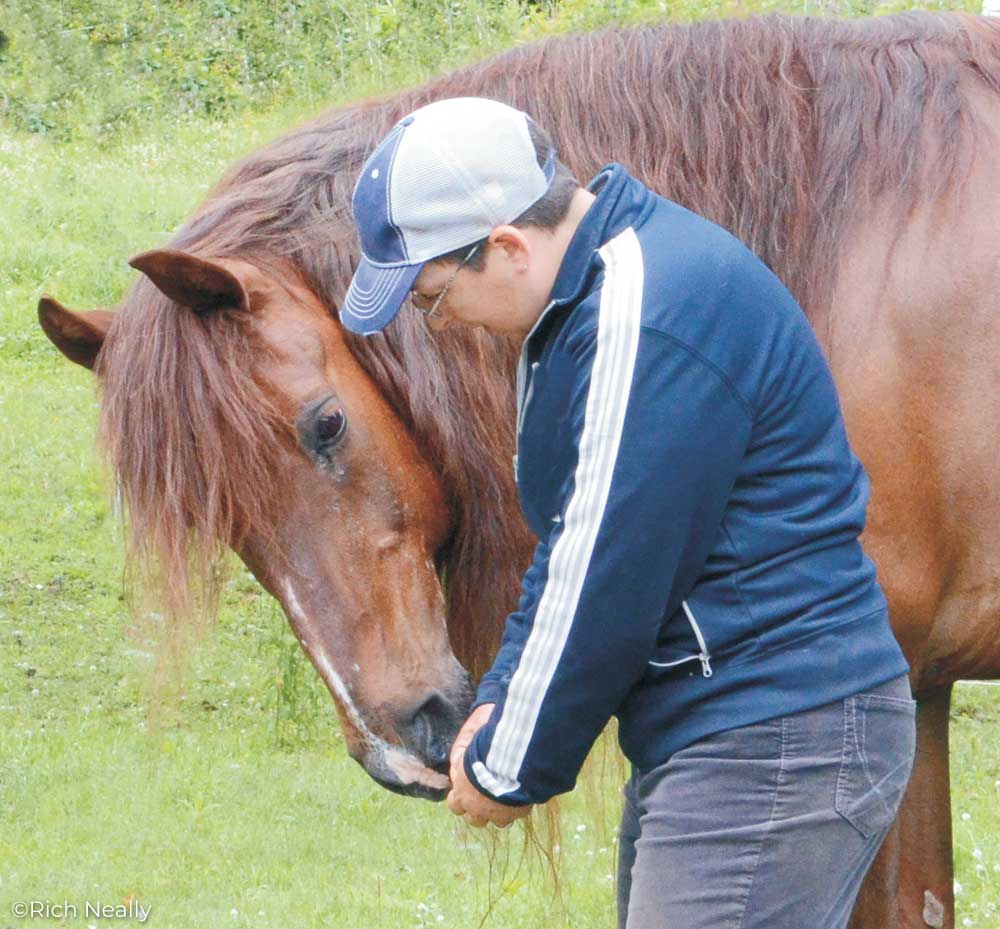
[[431, 729], [435, 707], [442, 766], [437, 757]]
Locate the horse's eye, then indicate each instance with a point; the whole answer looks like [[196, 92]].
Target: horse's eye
[[330, 427], [321, 426]]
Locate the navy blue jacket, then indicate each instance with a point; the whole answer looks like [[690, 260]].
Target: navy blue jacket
[[683, 461]]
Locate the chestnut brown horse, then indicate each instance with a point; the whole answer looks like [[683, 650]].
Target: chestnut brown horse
[[367, 483]]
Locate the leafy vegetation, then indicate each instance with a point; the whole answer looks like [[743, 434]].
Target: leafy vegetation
[[106, 66]]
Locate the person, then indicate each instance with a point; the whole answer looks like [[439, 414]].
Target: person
[[683, 461]]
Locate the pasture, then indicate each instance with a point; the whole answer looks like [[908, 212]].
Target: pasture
[[220, 792], [217, 791]]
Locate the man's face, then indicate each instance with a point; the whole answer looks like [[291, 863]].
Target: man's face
[[505, 296]]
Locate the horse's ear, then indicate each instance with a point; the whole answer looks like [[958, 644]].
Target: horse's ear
[[197, 283], [79, 336]]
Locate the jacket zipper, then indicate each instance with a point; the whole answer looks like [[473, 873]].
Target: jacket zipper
[[703, 655], [527, 396], [522, 402], [523, 405]]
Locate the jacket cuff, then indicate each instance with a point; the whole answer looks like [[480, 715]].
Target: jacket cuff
[[467, 764]]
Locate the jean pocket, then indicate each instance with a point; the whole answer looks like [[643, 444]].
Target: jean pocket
[[879, 744]]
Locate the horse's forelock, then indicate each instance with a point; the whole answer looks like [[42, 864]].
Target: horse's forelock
[[192, 438]]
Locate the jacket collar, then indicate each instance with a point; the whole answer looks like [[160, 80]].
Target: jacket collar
[[620, 199]]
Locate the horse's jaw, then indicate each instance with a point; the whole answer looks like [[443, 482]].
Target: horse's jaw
[[393, 766]]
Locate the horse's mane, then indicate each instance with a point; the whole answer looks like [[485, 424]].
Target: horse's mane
[[782, 130]]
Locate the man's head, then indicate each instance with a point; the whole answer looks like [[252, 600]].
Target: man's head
[[462, 197]]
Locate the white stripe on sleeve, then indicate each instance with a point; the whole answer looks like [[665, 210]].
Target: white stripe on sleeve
[[619, 319]]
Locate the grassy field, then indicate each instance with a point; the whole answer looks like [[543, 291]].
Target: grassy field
[[234, 803]]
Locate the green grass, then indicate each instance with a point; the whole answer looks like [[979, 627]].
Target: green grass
[[239, 806], [237, 796], [975, 781], [235, 804]]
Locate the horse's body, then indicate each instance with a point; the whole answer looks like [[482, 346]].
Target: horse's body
[[858, 159]]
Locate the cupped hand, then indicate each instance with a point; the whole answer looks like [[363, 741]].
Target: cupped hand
[[464, 799]]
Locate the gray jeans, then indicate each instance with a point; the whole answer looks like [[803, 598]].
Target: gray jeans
[[770, 825]]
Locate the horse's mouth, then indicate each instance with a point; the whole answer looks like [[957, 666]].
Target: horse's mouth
[[398, 770], [418, 791]]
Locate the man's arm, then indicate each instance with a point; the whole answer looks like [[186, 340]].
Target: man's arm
[[660, 434]]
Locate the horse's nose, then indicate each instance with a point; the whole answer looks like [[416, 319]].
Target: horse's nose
[[430, 729]]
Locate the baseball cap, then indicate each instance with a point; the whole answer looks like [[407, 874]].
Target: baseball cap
[[445, 176]]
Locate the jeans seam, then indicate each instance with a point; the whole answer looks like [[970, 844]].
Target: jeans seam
[[630, 801], [861, 737], [770, 822], [850, 747], [863, 749], [885, 700], [865, 762]]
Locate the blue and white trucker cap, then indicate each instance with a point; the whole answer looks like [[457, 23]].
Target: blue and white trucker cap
[[445, 176]]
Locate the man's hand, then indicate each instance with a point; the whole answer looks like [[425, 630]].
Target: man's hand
[[464, 799]]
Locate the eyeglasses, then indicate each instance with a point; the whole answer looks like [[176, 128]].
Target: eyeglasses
[[429, 305]]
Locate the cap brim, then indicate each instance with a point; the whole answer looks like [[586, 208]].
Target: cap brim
[[375, 296]]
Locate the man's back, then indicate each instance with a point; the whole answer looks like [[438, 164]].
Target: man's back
[[735, 504]]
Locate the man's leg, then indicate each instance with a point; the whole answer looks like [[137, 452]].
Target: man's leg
[[628, 832], [771, 825]]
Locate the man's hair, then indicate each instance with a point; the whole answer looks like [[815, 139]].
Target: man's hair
[[545, 213]]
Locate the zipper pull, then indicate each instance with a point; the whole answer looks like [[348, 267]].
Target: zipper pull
[[703, 656]]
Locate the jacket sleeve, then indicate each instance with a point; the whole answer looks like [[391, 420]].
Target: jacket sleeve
[[658, 435], [493, 684]]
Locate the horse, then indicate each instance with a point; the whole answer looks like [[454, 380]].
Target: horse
[[367, 483]]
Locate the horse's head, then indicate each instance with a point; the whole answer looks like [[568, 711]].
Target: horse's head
[[234, 414]]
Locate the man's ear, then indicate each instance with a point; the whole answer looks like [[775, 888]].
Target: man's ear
[[512, 243]]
